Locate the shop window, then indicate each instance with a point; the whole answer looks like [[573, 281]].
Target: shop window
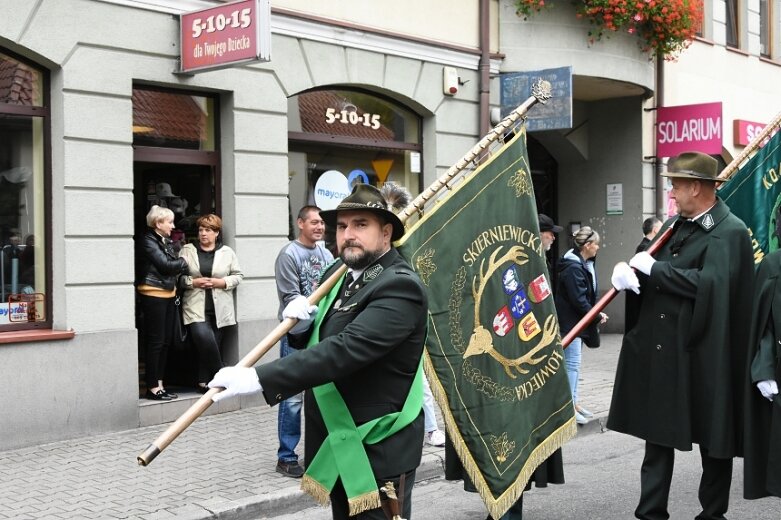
[[24, 173], [175, 156], [172, 120], [340, 137]]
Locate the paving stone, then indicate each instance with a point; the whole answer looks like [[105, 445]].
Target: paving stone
[[223, 464]]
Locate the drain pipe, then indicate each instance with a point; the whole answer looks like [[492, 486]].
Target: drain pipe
[[661, 207], [485, 67]]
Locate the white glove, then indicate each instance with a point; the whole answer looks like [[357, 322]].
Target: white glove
[[768, 388], [624, 278], [642, 262], [235, 381], [299, 308]]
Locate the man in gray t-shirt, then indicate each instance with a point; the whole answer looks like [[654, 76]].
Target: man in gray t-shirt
[[297, 271]]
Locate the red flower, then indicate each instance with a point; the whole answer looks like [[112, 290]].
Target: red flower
[[664, 27]]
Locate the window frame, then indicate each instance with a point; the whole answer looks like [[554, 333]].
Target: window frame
[[171, 155], [738, 12], [43, 112], [297, 139]]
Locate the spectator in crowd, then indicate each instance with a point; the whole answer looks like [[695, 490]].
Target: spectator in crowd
[[434, 436], [297, 272], [548, 231], [575, 295], [158, 267], [213, 273]]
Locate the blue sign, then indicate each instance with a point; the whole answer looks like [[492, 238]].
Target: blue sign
[[354, 175], [516, 87]]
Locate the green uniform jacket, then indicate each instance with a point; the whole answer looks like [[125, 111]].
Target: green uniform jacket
[[370, 347], [681, 371], [762, 468]]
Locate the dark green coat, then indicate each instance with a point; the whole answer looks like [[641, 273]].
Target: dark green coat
[[370, 348], [762, 468], [681, 370]]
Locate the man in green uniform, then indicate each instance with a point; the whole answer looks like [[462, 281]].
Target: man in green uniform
[[361, 368], [762, 467], [681, 370]]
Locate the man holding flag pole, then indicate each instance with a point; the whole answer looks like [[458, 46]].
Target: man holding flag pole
[[754, 194], [504, 394], [361, 368], [680, 374]]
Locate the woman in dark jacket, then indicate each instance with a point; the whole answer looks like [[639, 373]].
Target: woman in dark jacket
[[158, 268], [575, 295]]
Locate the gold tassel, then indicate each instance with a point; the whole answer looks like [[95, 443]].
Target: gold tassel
[[497, 507], [365, 502], [316, 490]]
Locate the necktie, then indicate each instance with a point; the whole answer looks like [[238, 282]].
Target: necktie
[[348, 281]]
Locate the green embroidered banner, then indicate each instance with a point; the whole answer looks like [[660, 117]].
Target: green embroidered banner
[[493, 353], [754, 193]]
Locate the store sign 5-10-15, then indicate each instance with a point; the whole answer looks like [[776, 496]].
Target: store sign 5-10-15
[[350, 117], [220, 22], [225, 35]]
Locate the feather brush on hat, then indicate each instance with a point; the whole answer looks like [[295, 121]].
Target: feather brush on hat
[[398, 197]]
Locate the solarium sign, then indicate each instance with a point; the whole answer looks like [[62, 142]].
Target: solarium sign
[[689, 128]]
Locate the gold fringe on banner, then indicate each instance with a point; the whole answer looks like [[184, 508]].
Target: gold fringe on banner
[[496, 506]]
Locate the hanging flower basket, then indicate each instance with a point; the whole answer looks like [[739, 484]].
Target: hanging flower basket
[[665, 27]]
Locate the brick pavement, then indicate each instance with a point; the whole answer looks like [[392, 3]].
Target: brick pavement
[[220, 467]]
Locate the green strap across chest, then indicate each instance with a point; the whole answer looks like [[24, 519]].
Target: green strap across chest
[[342, 454]]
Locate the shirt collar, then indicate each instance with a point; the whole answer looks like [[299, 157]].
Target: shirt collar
[[356, 273], [701, 214]]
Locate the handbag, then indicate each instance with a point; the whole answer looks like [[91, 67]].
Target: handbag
[[592, 339], [179, 336]]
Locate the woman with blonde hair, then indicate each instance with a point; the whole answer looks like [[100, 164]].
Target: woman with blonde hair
[[575, 295], [158, 267], [213, 272]]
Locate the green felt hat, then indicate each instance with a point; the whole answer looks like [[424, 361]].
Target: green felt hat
[[693, 165], [365, 197]]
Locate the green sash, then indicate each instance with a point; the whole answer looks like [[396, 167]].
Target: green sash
[[342, 454]]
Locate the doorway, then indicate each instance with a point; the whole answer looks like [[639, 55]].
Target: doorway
[[189, 190], [544, 172]]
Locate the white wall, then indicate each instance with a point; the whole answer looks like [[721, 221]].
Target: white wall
[[746, 86], [96, 51], [454, 22]]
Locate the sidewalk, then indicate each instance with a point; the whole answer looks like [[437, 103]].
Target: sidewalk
[[220, 467]]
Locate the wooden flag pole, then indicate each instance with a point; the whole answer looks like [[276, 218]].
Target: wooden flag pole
[[541, 92], [725, 175]]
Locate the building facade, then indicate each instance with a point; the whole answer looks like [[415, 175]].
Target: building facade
[[98, 122]]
